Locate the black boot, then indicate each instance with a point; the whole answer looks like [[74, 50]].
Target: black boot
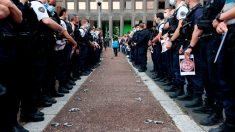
[[170, 89], [179, 92], [212, 119], [185, 97], [225, 127], [205, 109], [31, 117], [196, 102], [63, 90], [18, 128], [57, 94]]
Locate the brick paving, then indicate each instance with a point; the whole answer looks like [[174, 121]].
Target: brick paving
[[113, 99]]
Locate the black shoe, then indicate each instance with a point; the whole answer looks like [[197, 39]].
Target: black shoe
[[39, 113], [225, 127], [52, 100], [68, 86], [57, 94], [204, 110], [167, 84], [63, 90], [31, 118], [44, 104], [18, 128], [142, 69], [71, 82], [185, 97], [212, 119], [170, 89], [179, 92], [196, 102]]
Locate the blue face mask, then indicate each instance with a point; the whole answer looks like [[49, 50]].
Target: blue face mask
[[46, 5], [51, 9]]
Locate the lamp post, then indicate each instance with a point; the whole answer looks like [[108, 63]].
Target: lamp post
[[99, 3]]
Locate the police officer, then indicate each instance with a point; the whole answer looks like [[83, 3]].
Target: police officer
[[42, 28], [174, 43], [209, 43], [9, 18], [157, 48], [84, 43], [142, 47], [225, 22]]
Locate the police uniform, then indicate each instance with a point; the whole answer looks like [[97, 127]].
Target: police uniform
[[9, 74], [178, 83], [226, 81], [209, 43], [42, 40], [83, 43]]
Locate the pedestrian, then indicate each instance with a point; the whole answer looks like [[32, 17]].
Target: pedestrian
[[115, 46]]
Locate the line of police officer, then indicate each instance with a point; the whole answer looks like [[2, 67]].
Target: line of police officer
[[38, 47], [188, 29]]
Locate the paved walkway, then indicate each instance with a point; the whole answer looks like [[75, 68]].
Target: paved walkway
[[113, 98]]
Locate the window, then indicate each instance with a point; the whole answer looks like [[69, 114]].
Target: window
[[82, 5], [93, 5], [161, 5], [138, 5], [70, 5], [128, 5], [116, 5], [150, 4], [105, 5]]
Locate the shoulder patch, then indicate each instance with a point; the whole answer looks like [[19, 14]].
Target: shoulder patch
[[41, 9], [182, 13]]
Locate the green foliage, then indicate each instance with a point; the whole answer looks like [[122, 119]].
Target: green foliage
[[116, 32]]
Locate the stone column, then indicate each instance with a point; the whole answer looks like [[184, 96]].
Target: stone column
[[65, 4], [133, 5], [145, 18], [111, 26], [121, 5], [88, 6], [110, 6], [121, 25], [155, 8], [167, 3], [133, 20], [76, 6]]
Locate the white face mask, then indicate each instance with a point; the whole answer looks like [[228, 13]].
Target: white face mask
[[172, 2]]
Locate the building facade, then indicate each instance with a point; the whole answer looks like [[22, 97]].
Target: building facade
[[115, 14]]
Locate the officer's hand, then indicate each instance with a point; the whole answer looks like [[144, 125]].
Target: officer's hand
[[77, 51], [150, 43], [215, 23], [181, 50], [222, 28], [168, 44], [187, 53], [7, 3]]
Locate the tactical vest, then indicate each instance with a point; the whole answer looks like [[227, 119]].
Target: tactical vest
[[173, 21], [186, 30], [83, 40]]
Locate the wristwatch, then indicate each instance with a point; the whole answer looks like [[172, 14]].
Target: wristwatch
[[218, 18], [190, 47]]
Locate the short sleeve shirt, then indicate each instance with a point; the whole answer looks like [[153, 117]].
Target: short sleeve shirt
[[63, 24], [182, 12], [160, 28], [229, 4], [198, 13], [40, 10], [82, 32]]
